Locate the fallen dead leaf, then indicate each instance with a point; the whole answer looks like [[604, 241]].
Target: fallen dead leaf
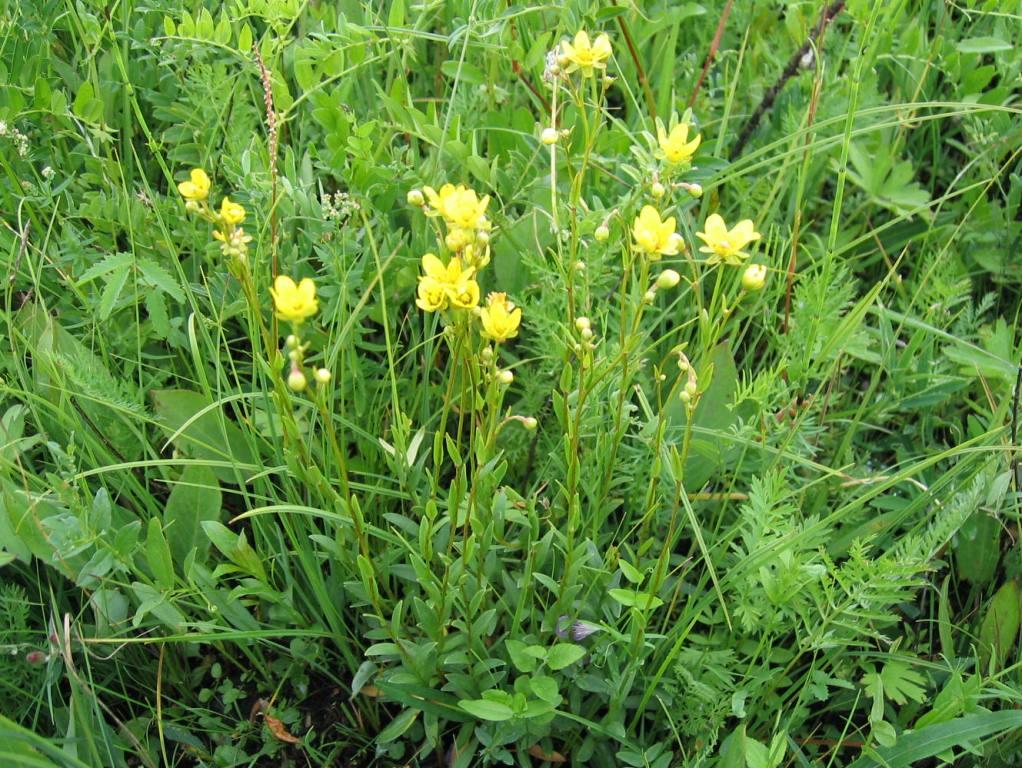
[[279, 731], [554, 757]]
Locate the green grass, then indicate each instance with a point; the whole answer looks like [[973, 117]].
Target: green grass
[[811, 559]]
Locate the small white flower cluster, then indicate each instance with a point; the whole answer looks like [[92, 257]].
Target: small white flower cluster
[[12, 133], [339, 206]]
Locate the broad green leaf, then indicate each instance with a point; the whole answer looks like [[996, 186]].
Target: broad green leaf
[[983, 45], [545, 688], [487, 710], [999, 630], [978, 548], [524, 662], [634, 599], [203, 431], [396, 728], [563, 655], [158, 555], [194, 499]]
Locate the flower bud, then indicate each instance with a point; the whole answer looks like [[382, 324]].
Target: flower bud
[[486, 354], [754, 277], [657, 190], [685, 396], [580, 266], [691, 387], [296, 380], [505, 377], [696, 190], [582, 324], [291, 341], [649, 296], [322, 376], [416, 198], [602, 233], [549, 136], [482, 237], [586, 334], [668, 279], [530, 423]]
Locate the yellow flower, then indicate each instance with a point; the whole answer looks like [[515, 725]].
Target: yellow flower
[[231, 213], [432, 295], [464, 295], [500, 318], [294, 303], [726, 245], [675, 145], [653, 236], [197, 187], [457, 285], [460, 206], [586, 56]]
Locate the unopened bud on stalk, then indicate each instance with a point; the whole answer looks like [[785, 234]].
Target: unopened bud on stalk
[[296, 381], [549, 136], [602, 233], [754, 277], [530, 423], [416, 198], [322, 376], [505, 377], [649, 296], [668, 279], [657, 190], [291, 341], [586, 334], [582, 324]]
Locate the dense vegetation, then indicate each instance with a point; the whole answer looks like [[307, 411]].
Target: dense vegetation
[[432, 384]]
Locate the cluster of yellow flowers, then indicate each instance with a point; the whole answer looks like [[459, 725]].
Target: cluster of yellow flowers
[[295, 303], [454, 285], [233, 240]]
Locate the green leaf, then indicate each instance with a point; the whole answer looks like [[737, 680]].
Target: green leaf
[[112, 292], [935, 739], [634, 599], [201, 430], [397, 726], [195, 499], [158, 555], [235, 548], [631, 573], [983, 45], [1000, 627], [493, 711], [563, 655], [978, 548], [112, 262], [545, 688], [156, 308], [155, 602], [883, 732], [161, 279], [902, 683], [523, 661]]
